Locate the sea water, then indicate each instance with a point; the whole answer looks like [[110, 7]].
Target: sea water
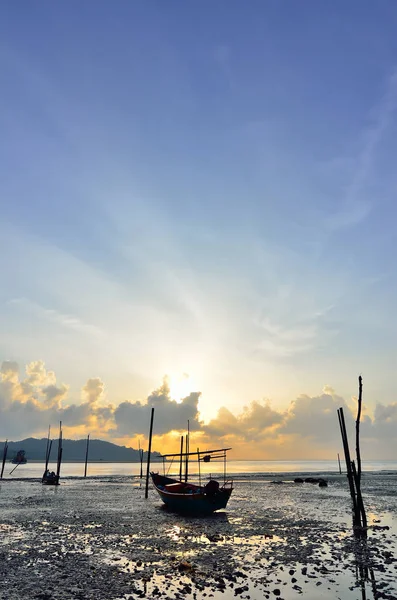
[[254, 468]]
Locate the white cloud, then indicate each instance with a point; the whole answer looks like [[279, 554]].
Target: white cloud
[[308, 428]]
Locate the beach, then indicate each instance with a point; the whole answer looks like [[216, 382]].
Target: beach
[[99, 538]]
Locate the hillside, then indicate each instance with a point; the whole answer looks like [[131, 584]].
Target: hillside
[[74, 450]]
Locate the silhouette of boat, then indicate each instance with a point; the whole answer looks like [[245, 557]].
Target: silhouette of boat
[[20, 458], [185, 497], [50, 478]]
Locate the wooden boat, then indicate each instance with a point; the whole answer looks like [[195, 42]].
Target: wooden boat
[[50, 478], [185, 497], [20, 458]]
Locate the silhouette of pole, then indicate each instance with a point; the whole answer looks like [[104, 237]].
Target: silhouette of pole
[[187, 451], [48, 443], [47, 458], [148, 454], [86, 455], [59, 451], [180, 463], [5, 450]]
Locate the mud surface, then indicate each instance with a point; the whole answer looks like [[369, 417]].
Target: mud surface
[[99, 538]]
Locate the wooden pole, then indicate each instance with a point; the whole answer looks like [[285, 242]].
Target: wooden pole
[[340, 468], [47, 458], [187, 452], [358, 454], [14, 468], [48, 443], [86, 455], [360, 502], [186, 459], [59, 451], [180, 463], [199, 470], [348, 463], [357, 475], [5, 450], [148, 455]]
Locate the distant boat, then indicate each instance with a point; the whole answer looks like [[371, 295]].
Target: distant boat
[[20, 458], [184, 497], [50, 477]]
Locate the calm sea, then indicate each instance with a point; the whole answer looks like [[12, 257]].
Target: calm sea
[[253, 467]]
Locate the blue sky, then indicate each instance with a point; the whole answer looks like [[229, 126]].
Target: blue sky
[[201, 188]]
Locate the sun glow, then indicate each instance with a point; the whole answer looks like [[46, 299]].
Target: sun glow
[[181, 386]]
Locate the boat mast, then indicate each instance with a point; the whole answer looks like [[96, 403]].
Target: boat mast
[[187, 451], [199, 470], [181, 460]]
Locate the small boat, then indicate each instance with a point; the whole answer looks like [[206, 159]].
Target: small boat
[[185, 497], [20, 458], [50, 478]]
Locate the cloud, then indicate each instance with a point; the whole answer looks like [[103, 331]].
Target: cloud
[[254, 423], [93, 390], [355, 206], [133, 417], [307, 428]]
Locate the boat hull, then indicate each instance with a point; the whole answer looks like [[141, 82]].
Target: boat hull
[[194, 500]]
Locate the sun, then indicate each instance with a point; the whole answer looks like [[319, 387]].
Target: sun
[[180, 386]]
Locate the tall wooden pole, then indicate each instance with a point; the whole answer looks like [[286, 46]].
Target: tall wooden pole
[[48, 442], [180, 463], [59, 450], [199, 470], [349, 470], [358, 454], [47, 458], [5, 450], [187, 452], [148, 454], [86, 455]]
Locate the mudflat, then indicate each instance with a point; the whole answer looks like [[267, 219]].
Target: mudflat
[[100, 539]]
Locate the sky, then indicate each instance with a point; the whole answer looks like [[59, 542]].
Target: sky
[[198, 213]]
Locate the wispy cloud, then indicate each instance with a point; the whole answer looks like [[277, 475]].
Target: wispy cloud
[[55, 316], [356, 206]]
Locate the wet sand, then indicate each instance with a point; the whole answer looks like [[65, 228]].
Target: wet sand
[[99, 538]]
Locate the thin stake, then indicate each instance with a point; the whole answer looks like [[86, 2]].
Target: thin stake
[[148, 454], [59, 451], [186, 458], [14, 468], [86, 455], [358, 454], [48, 442], [47, 458], [5, 450], [340, 468], [180, 463], [348, 462], [199, 470], [187, 451], [360, 503]]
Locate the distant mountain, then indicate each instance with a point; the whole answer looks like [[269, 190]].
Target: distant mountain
[[74, 450]]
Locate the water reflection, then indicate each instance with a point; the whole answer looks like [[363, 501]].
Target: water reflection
[[365, 575]]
